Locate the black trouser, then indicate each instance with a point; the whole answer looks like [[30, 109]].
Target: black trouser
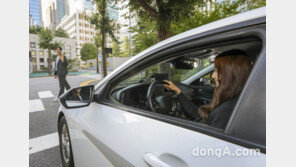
[[63, 84]]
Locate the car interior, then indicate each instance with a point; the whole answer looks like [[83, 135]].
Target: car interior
[[145, 90]]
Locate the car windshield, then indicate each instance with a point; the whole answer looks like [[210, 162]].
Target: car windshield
[[175, 74]]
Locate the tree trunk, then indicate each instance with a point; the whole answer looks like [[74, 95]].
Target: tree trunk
[[163, 32], [103, 40], [49, 62]]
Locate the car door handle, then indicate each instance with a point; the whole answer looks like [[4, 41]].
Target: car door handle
[[153, 161]]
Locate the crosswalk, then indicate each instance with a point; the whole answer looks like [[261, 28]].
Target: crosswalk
[[47, 141]]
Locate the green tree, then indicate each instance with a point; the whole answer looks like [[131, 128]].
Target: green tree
[[34, 29], [116, 49], [145, 35], [46, 37], [126, 47], [104, 26], [61, 33], [164, 13], [146, 29], [88, 51]]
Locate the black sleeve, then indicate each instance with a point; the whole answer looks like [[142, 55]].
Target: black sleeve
[[190, 110], [65, 63], [219, 116]]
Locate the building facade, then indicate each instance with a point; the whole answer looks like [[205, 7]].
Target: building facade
[[51, 18], [78, 29], [63, 8], [35, 13], [39, 56]]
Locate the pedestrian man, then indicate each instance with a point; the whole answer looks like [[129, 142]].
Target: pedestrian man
[[61, 71]]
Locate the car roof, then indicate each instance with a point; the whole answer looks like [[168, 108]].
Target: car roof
[[242, 17]]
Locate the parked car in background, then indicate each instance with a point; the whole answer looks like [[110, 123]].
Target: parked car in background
[[111, 123]]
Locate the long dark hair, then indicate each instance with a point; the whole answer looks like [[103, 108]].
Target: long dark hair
[[233, 68]]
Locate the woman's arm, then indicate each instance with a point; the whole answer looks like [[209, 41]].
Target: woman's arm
[[189, 108]]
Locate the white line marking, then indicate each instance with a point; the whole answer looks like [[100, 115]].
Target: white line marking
[[45, 94], [44, 142], [35, 105]]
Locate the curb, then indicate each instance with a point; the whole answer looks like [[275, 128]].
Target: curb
[[88, 82], [53, 75]]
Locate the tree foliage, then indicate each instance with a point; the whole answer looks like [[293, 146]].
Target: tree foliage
[[103, 26], [163, 12], [46, 37], [88, 51], [61, 33], [34, 29], [146, 30], [126, 47], [116, 52]]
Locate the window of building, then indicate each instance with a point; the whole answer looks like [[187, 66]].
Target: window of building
[[92, 33], [41, 53], [81, 38], [86, 32], [32, 45], [92, 26], [41, 60], [33, 53], [33, 60], [86, 25]]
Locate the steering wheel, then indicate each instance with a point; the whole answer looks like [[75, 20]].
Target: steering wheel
[[165, 103]]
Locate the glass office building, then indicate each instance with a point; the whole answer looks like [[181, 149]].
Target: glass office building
[[62, 8], [35, 12]]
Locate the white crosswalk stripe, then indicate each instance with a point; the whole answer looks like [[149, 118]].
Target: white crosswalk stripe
[[43, 142], [35, 105], [45, 94]]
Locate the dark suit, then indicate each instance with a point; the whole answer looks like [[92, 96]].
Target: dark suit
[[61, 72]]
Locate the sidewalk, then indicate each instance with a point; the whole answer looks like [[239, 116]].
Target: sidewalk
[[70, 73]]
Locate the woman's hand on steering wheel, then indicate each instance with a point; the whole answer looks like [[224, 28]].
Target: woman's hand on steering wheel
[[170, 85]]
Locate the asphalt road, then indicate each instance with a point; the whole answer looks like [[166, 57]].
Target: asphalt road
[[43, 121]]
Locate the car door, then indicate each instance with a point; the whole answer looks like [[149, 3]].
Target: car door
[[115, 135], [110, 134]]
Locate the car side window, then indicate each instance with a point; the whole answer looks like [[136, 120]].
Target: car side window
[[206, 80]]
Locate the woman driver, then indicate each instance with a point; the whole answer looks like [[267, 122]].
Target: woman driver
[[231, 71]]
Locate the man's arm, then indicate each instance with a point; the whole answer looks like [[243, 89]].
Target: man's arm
[[65, 61]]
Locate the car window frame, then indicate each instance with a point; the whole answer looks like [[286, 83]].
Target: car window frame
[[198, 127]]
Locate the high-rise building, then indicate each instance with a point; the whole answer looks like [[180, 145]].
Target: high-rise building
[[62, 8], [35, 13], [80, 29], [112, 11], [51, 16]]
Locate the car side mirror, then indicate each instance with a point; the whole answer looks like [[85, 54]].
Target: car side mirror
[[205, 82], [78, 97]]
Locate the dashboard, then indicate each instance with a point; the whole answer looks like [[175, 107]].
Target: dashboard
[[134, 95]]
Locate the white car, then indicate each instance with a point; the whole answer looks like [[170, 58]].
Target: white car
[[123, 121]]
